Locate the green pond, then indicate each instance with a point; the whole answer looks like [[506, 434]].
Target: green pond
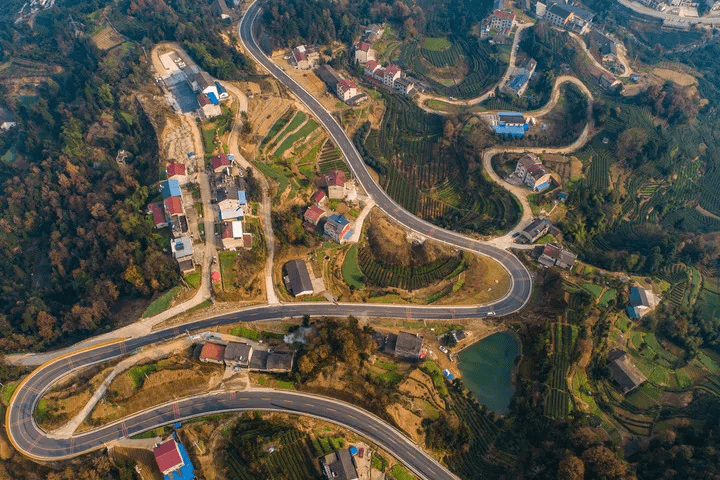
[[487, 367]]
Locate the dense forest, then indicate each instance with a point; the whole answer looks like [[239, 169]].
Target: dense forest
[[289, 22], [74, 238]]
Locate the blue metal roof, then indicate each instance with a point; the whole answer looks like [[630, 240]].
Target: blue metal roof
[[516, 131], [170, 188]]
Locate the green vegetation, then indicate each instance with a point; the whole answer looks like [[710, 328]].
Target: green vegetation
[[244, 332], [436, 44], [398, 472], [161, 303], [351, 270], [432, 369]]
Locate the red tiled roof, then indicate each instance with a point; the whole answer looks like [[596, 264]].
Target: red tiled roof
[[175, 169], [173, 206], [335, 178], [318, 196], [391, 70], [363, 47], [167, 455], [503, 15], [220, 161], [372, 65], [213, 351], [313, 213], [156, 210]]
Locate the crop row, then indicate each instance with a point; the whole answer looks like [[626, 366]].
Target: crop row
[[406, 278]]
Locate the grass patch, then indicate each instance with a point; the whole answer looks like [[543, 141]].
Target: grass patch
[[351, 270], [161, 303], [378, 462], [227, 268], [399, 473], [244, 332], [137, 374], [436, 44], [432, 369], [7, 392], [194, 279]]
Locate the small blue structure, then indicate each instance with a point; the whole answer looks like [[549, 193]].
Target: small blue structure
[[448, 375], [517, 83], [241, 197], [170, 188], [353, 450], [213, 99]]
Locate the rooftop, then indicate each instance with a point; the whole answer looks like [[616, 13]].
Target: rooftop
[[213, 351]]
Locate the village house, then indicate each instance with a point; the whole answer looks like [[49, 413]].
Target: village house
[[319, 198], [337, 227], [532, 173], [535, 230], [297, 279], [501, 21], [408, 345], [312, 216], [364, 52], [339, 466], [335, 182], [176, 171], [624, 372], [346, 90], [237, 354], [641, 302], [554, 255], [213, 353], [173, 461], [304, 58]]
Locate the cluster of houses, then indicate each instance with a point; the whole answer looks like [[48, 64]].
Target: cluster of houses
[[231, 199], [245, 355], [316, 219], [170, 213]]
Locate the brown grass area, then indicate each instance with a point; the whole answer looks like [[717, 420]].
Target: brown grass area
[[180, 377], [68, 397], [485, 280]]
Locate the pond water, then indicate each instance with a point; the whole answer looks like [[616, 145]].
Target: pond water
[[487, 367]]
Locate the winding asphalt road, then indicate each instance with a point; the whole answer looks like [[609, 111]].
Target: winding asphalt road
[[35, 443]]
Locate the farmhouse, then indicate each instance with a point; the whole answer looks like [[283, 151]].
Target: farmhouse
[[408, 345], [554, 255], [532, 173], [213, 353], [237, 354], [339, 466], [304, 58], [297, 279], [173, 460], [346, 90], [335, 182], [501, 21], [535, 230], [364, 52], [641, 302], [337, 227], [624, 373], [313, 215]]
